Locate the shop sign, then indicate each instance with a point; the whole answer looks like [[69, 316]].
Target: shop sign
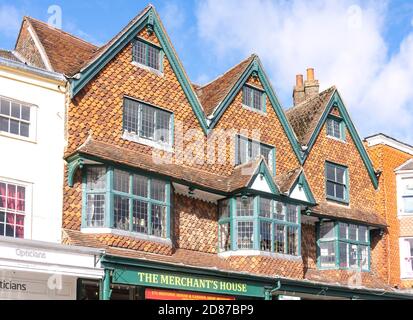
[[154, 294], [186, 282]]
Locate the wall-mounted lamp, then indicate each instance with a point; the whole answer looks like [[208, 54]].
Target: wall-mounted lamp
[[191, 191]]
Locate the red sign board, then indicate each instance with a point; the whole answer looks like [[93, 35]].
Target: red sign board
[[154, 294]]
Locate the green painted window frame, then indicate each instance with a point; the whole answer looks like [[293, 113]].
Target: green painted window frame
[[337, 240], [272, 166], [342, 127], [346, 199], [256, 219], [147, 45], [250, 103], [110, 193]]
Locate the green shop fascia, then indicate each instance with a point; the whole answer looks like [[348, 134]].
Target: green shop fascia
[[160, 275]]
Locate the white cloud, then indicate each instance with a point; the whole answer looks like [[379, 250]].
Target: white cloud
[[342, 40], [173, 16], [10, 20]]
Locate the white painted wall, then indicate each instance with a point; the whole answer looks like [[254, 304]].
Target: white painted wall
[[37, 164]]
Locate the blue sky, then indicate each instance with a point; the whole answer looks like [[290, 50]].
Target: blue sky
[[365, 48]]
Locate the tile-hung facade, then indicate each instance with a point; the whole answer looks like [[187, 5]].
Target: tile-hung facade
[[394, 160], [33, 262], [213, 191]]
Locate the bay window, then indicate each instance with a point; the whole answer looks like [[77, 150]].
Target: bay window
[[343, 246], [125, 201], [259, 223]]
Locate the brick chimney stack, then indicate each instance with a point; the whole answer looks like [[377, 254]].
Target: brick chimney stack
[[299, 94], [305, 90]]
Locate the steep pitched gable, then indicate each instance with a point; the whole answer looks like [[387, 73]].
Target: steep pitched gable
[[309, 117]]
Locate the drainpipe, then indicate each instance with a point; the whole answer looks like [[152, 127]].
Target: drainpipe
[[106, 286], [269, 292]]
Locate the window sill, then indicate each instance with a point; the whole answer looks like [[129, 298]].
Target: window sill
[[134, 138], [405, 215], [338, 201], [137, 236], [336, 139], [149, 69], [249, 253], [17, 137], [263, 113], [343, 269]]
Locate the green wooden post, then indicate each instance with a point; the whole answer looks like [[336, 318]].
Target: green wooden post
[[107, 292]]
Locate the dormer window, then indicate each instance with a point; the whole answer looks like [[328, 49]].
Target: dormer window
[[247, 150], [254, 98], [147, 54], [336, 128]]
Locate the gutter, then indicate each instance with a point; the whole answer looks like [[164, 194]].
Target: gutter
[[40, 72]]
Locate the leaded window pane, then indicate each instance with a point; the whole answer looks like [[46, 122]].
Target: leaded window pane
[[245, 234], [140, 52], [364, 256], [292, 213], [252, 98], [257, 103], [363, 234], [95, 210], [245, 207], [131, 116], [96, 179], [225, 237], [158, 190], [344, 255], [352, 232], [279, 242], [162, 126], [327, 254], [158, 221], [265, 235], [327, 230], [247, 96], [140, 216], [140, 186], [147, 122], [153, 57], [265, 207], [343, 230], [147, 55], [353, 255], [292, 238], [121, 181], [224, 209], [121, 212]]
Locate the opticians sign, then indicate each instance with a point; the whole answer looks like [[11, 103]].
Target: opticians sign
[[187, 282]]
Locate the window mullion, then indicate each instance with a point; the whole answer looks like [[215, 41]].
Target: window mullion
[[131, 223], [256, 224], [149, 207], [109, 218], [337, 244]]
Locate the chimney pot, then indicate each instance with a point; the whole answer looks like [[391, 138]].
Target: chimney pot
[[310, 74], [299, 80]]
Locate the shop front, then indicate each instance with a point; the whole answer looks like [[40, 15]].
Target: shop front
[[32, 270]]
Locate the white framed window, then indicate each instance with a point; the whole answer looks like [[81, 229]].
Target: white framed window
[[406, 258], [17, 119], [405, 195], [146, 124], [14, 209], [247, 150]]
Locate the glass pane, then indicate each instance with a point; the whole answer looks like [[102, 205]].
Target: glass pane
[[352, 232], [131, 116], [153, 57], [265, 236], [242, 149], [266, 151], [292, 213], [341, 175], [331, 189], [331, 174], [343, 230], [245, 234], [245, 206], [121, 181], [95, 215], [247, 94], [158, 190], [4, 124], [140, 52], [140, 216], [121, 212], [255, 149], [25, 113], [224, 237], [265, 207], [15, 110], [340, 191], [24, 129], [327, 254], [353, 256], [224, 208], [96, 178], [158, 221], [364, 256], [408, 204], [140, 186], [292, 238], [257, 103], [280, 211], [162, 126], [14, 126], [344, 255], [363, 234], [147, 122], [5, 107], [330, 127], [336, 129], [327, 230], [279, 241]]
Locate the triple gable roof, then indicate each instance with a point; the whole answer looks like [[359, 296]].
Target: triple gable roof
[[80, 61]]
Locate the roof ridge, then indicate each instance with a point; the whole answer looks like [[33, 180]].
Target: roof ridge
[[332, 88], [60, 30], [226, 72]]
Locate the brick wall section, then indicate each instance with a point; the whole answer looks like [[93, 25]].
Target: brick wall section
[[387, 159], [27, 48]]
